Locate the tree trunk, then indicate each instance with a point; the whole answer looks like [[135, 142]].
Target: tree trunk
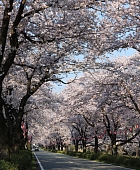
[[62, 145], [76, 145], [18, 138], [58, 146], [96, 144], [84, 145], [4, 134], [113, 145], [114, 150]]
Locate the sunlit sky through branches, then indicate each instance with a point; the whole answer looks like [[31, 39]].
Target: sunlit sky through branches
[[58, 87]]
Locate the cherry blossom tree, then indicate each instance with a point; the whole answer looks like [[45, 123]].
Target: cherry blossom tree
[[110, 99], [127, 72], [80, 100], [117, 29], [81, 131], [40, 39], [124, 93]]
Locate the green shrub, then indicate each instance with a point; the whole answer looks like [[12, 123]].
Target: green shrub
[[73, 153], [111, 159], [118, 160], [127, 162], [60, 152], [84, 155], [94, 156], [137, 163], [65, 152], [7, 166], [103, 157], [21, 160], [70, 153], [88, 155], [131, 162], [28, 152], [78, 154], [55, 151]]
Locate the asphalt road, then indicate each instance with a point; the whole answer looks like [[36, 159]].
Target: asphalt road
[[56, 161]]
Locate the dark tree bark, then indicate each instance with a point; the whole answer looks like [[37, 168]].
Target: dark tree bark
[[76, 145], [96, 144]]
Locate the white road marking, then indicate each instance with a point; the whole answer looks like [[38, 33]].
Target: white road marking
[[41, 167], [71, 162]]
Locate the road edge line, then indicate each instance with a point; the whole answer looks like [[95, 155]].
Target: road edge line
[[41, 167]]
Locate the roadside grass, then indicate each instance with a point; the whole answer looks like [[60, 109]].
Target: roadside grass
[[123, 161], [25, 160], [34, 164]]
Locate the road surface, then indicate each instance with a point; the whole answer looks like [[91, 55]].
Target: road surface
[[56, 161]]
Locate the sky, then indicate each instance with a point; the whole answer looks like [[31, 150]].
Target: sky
[[125, 52]]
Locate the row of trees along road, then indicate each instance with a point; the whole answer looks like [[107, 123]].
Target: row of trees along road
[[39, 42], [104, 104]]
